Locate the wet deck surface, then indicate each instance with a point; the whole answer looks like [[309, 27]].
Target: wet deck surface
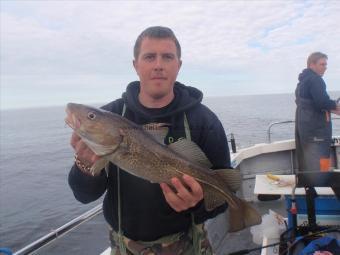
[[225, 243], [92, 236]]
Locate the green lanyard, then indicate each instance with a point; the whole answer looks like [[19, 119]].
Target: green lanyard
[[122, 247], [196, 233]]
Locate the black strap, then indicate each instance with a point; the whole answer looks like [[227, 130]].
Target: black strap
[[310, 200]]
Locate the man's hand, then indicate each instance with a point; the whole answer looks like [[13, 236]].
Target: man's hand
[[187, 195], [84, 153]]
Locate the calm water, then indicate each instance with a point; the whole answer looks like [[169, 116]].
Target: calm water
[[35, 159]]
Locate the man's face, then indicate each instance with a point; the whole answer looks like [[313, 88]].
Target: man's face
[[157, 66], [320, 66]]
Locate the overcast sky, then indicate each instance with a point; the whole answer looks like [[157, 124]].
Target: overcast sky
[[54, 52]]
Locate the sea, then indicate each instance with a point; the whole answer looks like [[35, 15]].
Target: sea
[[35, 159]]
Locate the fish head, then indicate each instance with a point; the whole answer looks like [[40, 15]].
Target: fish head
[[99, 129]]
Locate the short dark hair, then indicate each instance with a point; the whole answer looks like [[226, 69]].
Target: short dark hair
[[314, 57], [157, 32]]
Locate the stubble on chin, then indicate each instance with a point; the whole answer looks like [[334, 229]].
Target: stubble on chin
[[159, 95]]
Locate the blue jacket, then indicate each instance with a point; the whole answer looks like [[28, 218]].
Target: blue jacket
[[311, 86]]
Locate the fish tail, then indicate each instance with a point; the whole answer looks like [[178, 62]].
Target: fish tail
[[243, 216]]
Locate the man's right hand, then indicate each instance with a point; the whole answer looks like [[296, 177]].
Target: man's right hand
[[83, 152]]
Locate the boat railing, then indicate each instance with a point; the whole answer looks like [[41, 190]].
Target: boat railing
[[276, 123], [284, 122], [54, 234]]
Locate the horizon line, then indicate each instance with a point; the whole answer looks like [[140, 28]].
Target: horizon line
[[102, 103]]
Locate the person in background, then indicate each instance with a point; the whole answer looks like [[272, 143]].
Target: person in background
[[313, 126], [148, 218]]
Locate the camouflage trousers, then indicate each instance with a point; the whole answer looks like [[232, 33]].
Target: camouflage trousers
[[177, 244]]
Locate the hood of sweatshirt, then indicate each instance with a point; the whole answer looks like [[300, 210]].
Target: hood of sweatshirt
[[307, 74], [186, 97]]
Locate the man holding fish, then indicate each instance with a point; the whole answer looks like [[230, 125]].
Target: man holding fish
[[154, 163]]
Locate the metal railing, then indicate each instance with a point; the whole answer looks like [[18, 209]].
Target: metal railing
[[284, 122], [273, 124], [41, 242]]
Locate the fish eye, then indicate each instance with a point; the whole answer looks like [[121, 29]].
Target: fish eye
[[91, 115]]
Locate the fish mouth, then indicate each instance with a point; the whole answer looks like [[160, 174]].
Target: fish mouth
[[71, 120]]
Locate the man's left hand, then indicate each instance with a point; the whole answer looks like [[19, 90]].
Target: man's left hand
[[186, 194]]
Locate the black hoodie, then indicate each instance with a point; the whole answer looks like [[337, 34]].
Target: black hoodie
[[311, 86], [146, 216]]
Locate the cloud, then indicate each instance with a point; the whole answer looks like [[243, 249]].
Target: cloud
[[261, 45]]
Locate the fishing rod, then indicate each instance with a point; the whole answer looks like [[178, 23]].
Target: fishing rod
[[232, 142], [246, 251], [53, 235]]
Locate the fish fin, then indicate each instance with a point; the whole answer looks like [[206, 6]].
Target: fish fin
[[98, 166], [157, 130], [243, 216], [232, 177], [191, 151], [212, 199]]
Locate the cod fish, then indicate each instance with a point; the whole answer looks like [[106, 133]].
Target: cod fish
[[140, 150]]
